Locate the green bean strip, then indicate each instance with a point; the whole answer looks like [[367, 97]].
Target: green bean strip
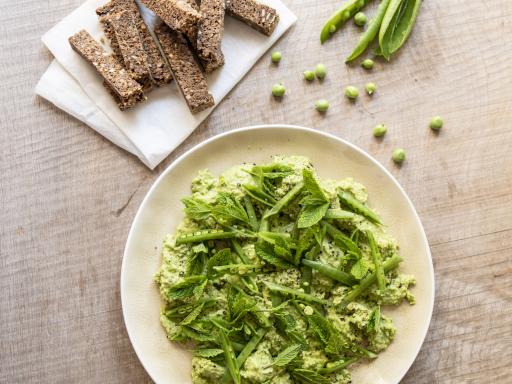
[[369, 280], [253, 220], [340, 214], [259, 195], [249, 282], [245, 352], [349, 200], [289, 291], [210, 234], [307, 272], [331, 272], [263, 224], [377, 261], [285, 200], [340, 17], [338, 365], [229, 354], [342, 240], [370, 34]]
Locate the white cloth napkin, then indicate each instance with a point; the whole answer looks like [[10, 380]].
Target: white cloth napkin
[[151, 130]]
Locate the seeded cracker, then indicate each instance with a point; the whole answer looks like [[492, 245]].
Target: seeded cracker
[[259, 16], [209, 35], [159, 70], [185, 69], [127, 90]]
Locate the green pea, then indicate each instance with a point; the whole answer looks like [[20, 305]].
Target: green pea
[[322, 105], [370, 88], [309, 75], [320, 71], [436, 123], [380, 130], [276, 57], [332, 29], [398, 155], [278, 90], [360, 19], [367, 64], [351, 92]]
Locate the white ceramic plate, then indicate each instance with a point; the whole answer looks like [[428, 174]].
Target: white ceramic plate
[[161, 211]]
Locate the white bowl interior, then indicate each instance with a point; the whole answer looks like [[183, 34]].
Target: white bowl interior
[[161, 211]]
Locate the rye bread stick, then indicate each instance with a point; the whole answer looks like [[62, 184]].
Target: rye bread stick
[[128, 91], [185, 69], [160, 72], [259, 16], [209, 34], [135, 58], [179, 15]]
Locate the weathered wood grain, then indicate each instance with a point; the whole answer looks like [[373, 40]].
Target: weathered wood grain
[[68, 196]]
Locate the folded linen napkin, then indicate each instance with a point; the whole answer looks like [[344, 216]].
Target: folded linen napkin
[[153, 129]]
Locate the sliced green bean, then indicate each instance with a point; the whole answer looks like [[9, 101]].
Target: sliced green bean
[[253, 220], [340, 17], [397, 25], [342, 240], [370, 34], [377, 261], [248, 280], [340, 214], [229, 354], [285, 200], [331, 272], [245, 352], [369, 280], [351, 202], [307, 272], [259, 195], [289, 291], [336, 366], [209, 234]]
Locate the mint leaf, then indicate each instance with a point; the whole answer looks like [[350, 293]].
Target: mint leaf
[[196, 209], [373, 324], [265, 251], [228, 208], [287, 355], [222, 257], [312, 186], [360, 269], [193, 315], [208, 352], [312, 214], [186, 288], [315, 204], [307, 376]]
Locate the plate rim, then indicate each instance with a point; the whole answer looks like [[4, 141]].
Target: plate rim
[[291, 127]]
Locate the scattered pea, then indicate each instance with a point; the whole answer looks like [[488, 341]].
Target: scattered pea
[[360, 19], [370, 88], [380, 130], [278, 90], [322, 105], [309, 75], [367, 64], [351, 92], [436, 123], [398, 155], [308, 311], [320, 71], [276, 57]]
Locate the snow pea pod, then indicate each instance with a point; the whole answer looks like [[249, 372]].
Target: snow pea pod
[[370, 34], [397, 25], [340, 17]]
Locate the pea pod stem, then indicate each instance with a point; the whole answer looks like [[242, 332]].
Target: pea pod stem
[[289, 291], [229, 354], [253, 220], [285, 200], [377, 261], [346, 198], [249, 282], [338, 365], [331, 272], [369, 280], [342, 240], [340, 17], [340, 214], [307, 272], [370, 34]]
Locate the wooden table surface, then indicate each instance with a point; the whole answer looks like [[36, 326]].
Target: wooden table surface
[[68, 196]]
